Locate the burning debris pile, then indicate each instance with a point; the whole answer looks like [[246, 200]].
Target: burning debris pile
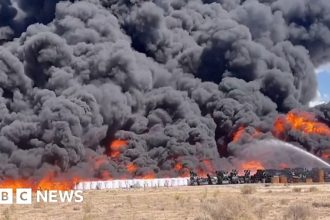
[[122, 89]]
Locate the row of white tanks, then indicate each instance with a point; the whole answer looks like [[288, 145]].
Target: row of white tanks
[[132, 183]]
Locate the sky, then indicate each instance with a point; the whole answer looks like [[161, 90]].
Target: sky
[[323, 78]]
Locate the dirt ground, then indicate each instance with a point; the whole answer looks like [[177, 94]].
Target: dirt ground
[[198, 203]]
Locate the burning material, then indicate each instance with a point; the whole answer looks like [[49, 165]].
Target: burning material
[[131, 168], [252, 165], [275, 154], [206, 167], [181, 169], [17, 183], [175, 81], [49, 182], [99, 161], [251, 133], [238, 134], [302, 122], [105, 175], [115, 148], [178, 166], [149, 175]]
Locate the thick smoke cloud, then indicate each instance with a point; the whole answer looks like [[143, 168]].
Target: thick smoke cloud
[[17, 15], [175, 79]]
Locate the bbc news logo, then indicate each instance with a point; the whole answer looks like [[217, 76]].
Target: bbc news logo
[[23, 196]]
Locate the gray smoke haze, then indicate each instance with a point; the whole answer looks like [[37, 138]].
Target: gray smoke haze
[[175, 78], [275, 154]]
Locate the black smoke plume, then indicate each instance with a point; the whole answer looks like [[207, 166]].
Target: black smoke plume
[[176, 79]]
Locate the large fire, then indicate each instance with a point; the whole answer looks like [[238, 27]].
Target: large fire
[[149, 175], [252, 165], [115, 147], [181, 169], [131, 168], [49, 182], [178, 166], [300, 121], [241, 131], [238, 134], [206, 167], [303, 122]]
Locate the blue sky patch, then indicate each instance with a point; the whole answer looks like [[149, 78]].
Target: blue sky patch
[[323, 79]]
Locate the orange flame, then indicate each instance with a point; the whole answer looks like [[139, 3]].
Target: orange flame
[[238, 134], [252, 165], [279, 127], [149, 175], [208, 165], [178, 166], [116, 146], [49, 182], [300, 121], [17, 183], [207, 168], [131, 168], [183, 171]]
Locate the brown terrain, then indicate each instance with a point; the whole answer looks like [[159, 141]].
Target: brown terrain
[[231, 202]]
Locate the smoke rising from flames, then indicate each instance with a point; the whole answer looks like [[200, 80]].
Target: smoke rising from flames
[[116, 147], [300, 121], [122, 89], [275, 154]]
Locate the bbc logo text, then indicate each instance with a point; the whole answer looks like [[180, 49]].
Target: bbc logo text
[[24, 196]]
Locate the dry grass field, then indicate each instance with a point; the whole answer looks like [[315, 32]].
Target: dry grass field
[[235, 202]]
